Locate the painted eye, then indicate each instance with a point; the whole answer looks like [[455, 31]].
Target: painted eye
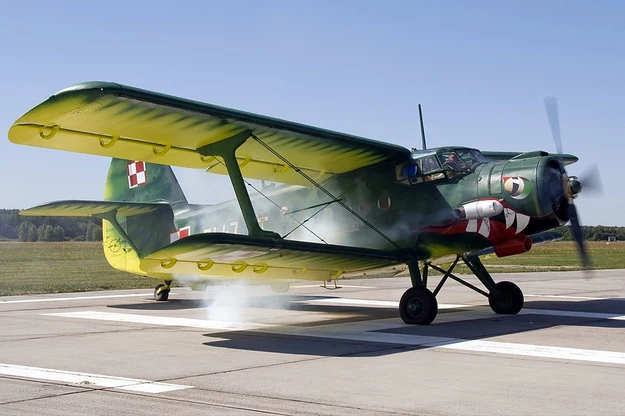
[[517, 186]]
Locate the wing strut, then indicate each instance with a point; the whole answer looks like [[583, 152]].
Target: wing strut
[[226, 149], [334, 198]]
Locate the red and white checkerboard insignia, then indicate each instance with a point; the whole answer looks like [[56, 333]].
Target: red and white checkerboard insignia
[[136, 174], [180, 233]]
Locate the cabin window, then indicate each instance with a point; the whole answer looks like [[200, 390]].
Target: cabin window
[[407, 172], [429, 164]]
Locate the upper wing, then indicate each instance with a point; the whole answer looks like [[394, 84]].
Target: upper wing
[[114, 120], [233, 255], [567, 159]]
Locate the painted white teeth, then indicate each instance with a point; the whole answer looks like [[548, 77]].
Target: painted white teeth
[[509, 215], [521, 222], [485, 227], [472, 226]]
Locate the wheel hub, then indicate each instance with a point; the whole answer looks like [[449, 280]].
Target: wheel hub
[[415, 307], [504, 300]]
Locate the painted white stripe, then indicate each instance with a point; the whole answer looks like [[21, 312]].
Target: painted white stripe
[[564, 297], [131, 295], [562, 353], [575, 314], [540, 351], [162, 320], [371, 302], [87, 379], [528, 350], [318, 285], [385, 304]]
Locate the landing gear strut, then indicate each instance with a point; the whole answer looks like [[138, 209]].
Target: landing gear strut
[[161, 292], [418, 305]]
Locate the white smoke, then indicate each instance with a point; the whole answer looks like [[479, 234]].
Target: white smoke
[[242, 302]]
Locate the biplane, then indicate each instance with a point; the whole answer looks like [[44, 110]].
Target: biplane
[[331, 204]]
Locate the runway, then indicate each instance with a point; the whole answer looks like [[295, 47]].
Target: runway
[[245, 350]]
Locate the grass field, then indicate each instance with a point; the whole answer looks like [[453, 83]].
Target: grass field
[[29, 268], [560, 255]]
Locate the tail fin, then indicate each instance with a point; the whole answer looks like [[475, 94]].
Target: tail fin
[[134, 181]]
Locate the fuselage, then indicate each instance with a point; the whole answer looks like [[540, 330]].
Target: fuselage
[[408, 204]]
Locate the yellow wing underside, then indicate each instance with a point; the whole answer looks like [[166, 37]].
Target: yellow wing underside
[[233, 256], [116, 121]]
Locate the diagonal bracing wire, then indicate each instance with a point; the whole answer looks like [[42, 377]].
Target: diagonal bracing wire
[[301, 224], [329, 194]]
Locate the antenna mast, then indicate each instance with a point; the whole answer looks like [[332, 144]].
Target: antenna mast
[[422, 130]]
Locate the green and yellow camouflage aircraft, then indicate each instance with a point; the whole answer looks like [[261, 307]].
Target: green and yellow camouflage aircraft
[[337, 204]]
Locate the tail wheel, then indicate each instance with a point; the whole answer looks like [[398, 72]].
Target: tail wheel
[[510, 300], [161, 292], [418, 306]]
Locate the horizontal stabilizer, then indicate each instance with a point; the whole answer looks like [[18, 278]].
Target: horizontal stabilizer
[[240, 256], [92, 208]]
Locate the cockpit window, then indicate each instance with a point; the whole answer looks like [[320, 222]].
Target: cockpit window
[[429, 164], [479, 156], [439, 164], [453, 161], [406, 172]]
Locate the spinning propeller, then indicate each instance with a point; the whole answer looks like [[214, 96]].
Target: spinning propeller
[[570, 186]]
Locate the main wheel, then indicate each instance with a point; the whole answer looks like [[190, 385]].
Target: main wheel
[[510, 301], [418, 306], [161, 292]]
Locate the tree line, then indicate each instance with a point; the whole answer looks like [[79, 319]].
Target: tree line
[[15, 227]]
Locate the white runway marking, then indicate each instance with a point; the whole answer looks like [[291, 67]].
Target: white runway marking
[[121, 383], [131, 295], [370, 302], [562, 353], [574, 314], [563, 297], [318, 285], [363, 332], [162, 320]]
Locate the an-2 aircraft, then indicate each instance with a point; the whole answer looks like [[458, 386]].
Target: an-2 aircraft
[[342, 204]]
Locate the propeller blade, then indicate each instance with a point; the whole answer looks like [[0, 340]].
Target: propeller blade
[[576, 230], [591, 182], [551, 105]]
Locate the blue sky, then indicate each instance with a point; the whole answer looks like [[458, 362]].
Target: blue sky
[[480, 69]]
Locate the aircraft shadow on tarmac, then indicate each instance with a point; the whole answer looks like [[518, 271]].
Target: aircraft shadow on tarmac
[[466, 328]]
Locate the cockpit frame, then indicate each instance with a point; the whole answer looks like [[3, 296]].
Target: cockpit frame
[[439, 164]]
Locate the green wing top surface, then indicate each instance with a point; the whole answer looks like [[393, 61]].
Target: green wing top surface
[[92, 208], [234, 256], [114, 120], [567, 159]]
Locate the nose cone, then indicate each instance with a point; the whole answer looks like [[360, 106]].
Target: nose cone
[[575, 186], [553, 182]]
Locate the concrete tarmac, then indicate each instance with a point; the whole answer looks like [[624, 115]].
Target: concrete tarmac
[[242, 350]]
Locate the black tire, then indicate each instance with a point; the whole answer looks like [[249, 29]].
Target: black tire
[[161, 295], [511, 299], [418, 306]]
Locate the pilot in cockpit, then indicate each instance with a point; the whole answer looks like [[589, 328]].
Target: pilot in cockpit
[[454, 163]]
